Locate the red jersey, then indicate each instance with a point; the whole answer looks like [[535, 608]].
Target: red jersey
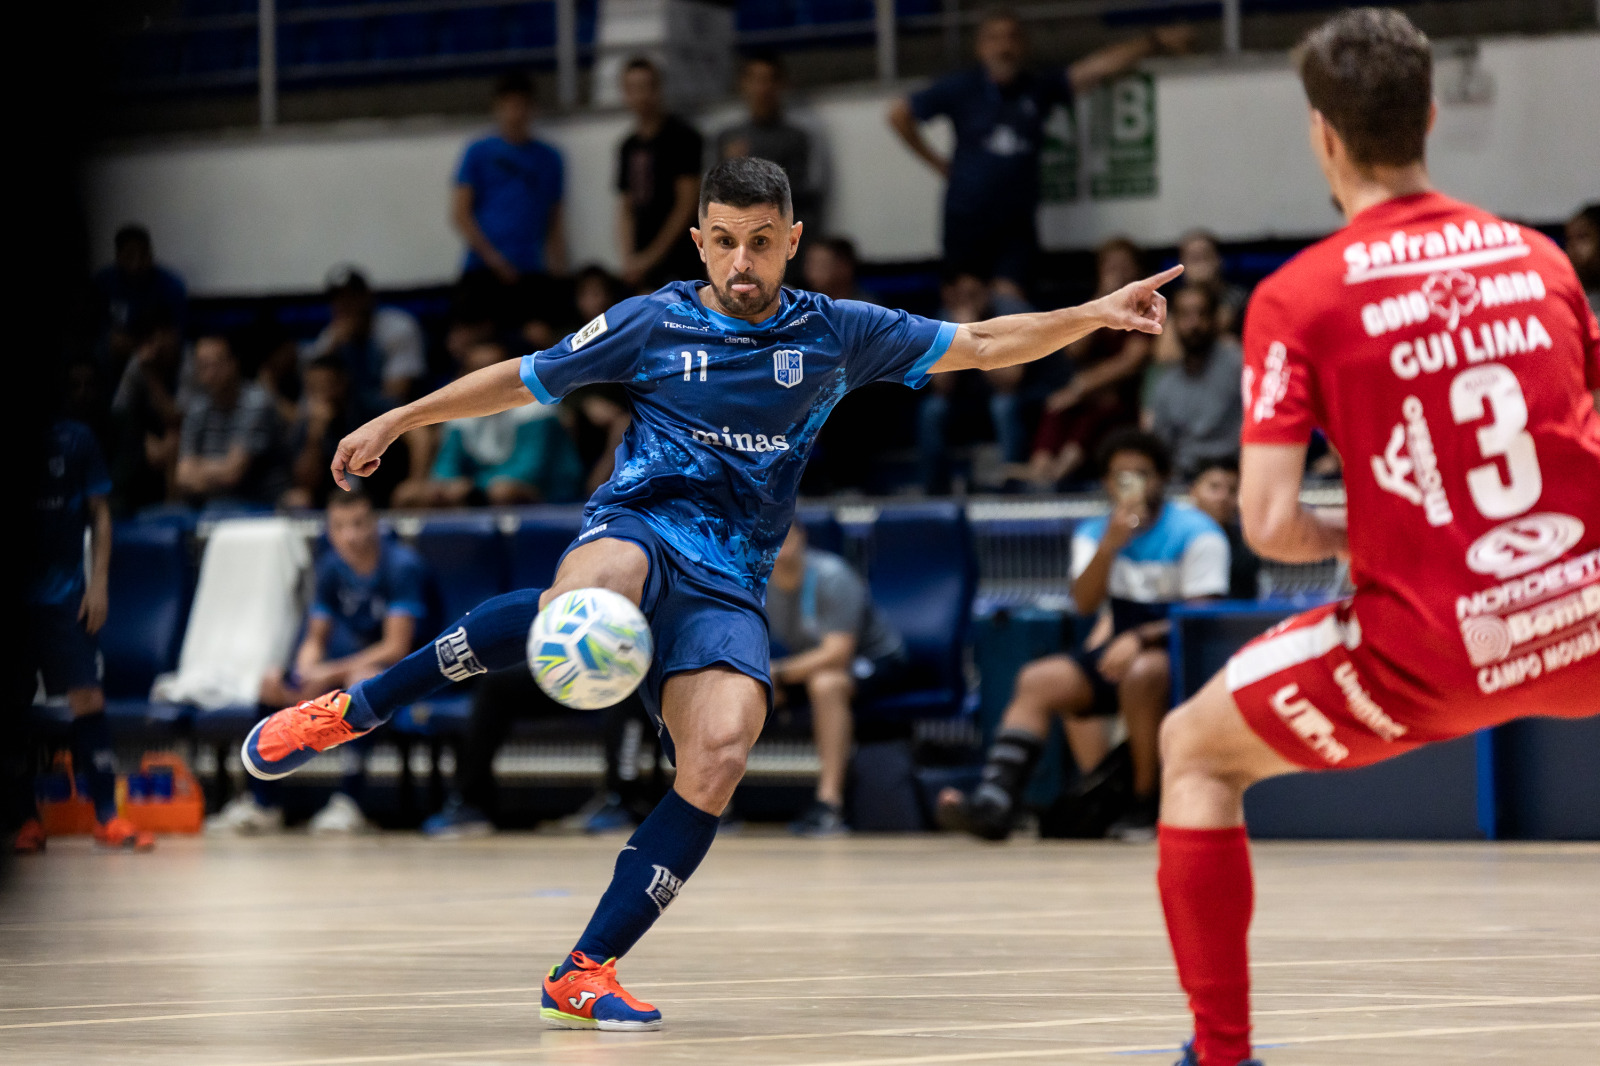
[[1449, 356]]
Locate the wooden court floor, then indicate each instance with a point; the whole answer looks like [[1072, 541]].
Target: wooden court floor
[[858, 952]]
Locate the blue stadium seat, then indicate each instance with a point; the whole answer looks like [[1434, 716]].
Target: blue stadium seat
[[536, 546], [402, 37], [152, 582], [823, 531], [923, 575], [468, 557], [470, 30], [529, 26]]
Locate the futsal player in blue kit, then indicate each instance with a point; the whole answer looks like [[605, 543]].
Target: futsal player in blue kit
[[730, 383]]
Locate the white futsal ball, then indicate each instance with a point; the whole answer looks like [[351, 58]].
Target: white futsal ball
[[589, 648]]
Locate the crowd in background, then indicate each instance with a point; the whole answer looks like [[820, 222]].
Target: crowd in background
[[249, 419]]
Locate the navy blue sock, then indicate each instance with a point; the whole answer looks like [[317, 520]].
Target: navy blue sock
[[659, 857], [491, 636], [92, 757]]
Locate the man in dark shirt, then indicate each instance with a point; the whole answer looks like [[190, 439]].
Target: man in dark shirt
[[767, 134], [1215, 490], [658, 182], [134, 294], [1196, 406], [999, 110]]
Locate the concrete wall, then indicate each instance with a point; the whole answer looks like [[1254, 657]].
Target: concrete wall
[[271, 213]]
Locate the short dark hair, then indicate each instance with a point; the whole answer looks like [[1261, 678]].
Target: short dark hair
[[745, 181], [771, 59], [1228, 464], [346, 278], [1199, 233], [1132, 439], [642, 63], [1209, 292], [1369, 72], [842, 247], [329, 362], [350, 498], [998, 13], [132, 233], [1119, 244], [513, 83], [1590, 213]]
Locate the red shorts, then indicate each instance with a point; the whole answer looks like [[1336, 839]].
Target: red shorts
[[1318, 695]]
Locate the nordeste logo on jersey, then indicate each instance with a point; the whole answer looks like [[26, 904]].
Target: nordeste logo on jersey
[[1524, 544]]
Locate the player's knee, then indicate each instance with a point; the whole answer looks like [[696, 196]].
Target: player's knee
[[829, 686], [1150, 670], [1049, 680], [1182, 740]]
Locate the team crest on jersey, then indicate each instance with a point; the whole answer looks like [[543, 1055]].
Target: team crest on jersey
[[788, 367], [596, 326]]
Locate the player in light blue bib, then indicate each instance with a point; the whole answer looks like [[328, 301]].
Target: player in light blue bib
[[730, 382]]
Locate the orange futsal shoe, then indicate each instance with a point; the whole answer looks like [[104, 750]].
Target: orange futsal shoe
[[282, 743], [30, 838], [121, 833], [588, 996]]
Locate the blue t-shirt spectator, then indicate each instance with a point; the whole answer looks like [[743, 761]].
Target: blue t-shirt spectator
[[357, 604], [514, 187], [135, 303], [74, 472], [999, 131]]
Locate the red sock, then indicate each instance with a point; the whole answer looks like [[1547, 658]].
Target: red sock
[[1207, 893]]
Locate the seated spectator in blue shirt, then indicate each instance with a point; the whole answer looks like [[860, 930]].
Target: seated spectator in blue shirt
[[1129, 567], [134, 294], [367, 613], [830, 645], [65, 611], [523, 455], [999, 110], [507, 207]]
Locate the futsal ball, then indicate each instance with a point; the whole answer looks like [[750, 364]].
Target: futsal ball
[[589, 648]]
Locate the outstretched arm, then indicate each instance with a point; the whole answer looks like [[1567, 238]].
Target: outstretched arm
[[1013, 339], [482, 392]]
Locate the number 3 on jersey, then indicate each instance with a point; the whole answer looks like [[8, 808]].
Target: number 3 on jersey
[[688, 358], [1494, 390]]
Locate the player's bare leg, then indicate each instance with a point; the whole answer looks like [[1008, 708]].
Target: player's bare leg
[[1209, 756], [605, 563], [714, 716], [1142, 697]]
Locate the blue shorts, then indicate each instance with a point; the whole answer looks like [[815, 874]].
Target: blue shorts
[[66, 656], [696, 619]]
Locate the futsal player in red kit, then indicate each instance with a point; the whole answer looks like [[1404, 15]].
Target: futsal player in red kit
[[1450, 357]]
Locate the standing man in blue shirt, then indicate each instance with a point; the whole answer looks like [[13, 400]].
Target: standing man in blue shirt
[[999, 109], [730, 383], [66, 610], [507, 207]]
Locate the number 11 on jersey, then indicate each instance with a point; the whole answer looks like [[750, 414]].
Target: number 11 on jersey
[[688, 364]]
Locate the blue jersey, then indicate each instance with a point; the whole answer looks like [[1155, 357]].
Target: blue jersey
[[357, 604], [74, 472], [726, 412], [1182, 555]]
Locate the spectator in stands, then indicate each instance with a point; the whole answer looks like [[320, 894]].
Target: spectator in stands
[[1583, 248], [1201, 257], [146, 414], [768, 134], [277, 360], [134, 294], [830, 645], [1103, 392], [658, 186], [999, 110], [507, 206], [604, 415], [66, 608], [1131, 566], [322, 419], [594, 290], [523, 455], [367, 613], [967, 298], [1215, 490], [228, 447], [829, 266], [381, 347], [1196, 407]]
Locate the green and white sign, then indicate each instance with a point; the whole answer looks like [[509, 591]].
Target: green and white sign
[[1059, 158], [1122, 139]]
